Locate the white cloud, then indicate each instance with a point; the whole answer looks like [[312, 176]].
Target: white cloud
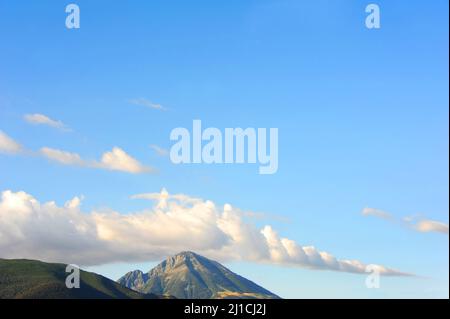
[[74, 203], [427, 226], [417, 223], [46, 231], [41, 119], [117, 160], [147, 103], [8, 145], [63, 157], [377, 213], [159, 150]]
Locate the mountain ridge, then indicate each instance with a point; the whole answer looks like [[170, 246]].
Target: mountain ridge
[[33, 279]]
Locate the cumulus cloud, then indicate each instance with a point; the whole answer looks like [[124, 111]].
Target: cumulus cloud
[[46, 231], [8, 145], [147, 103], [417, 223], [116, 159], [41, 119]]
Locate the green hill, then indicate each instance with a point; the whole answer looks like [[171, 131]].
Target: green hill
[[188, 275], [30, 279]]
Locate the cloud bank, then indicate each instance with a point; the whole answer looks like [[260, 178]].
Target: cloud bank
[[417, 223], [46, 231]]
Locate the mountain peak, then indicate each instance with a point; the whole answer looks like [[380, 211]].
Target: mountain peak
[[189, 275], [187, 253], [186, 261], [184, 255]]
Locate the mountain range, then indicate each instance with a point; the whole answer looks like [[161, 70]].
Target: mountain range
[[186, 276], [191, 276]]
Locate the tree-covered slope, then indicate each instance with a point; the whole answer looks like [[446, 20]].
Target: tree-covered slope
[[21, 278]]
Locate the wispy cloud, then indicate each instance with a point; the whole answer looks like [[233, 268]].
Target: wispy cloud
[[63, 157], [116, 159], [417, 223], [8, 145], [46, 231], [41, 119], [147, 103], [427, 226], [159, 150], [377, 213]]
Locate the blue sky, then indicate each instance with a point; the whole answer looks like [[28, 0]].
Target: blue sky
[[362, 118]]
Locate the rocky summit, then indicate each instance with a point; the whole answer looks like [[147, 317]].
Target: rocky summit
[[190, 276]]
